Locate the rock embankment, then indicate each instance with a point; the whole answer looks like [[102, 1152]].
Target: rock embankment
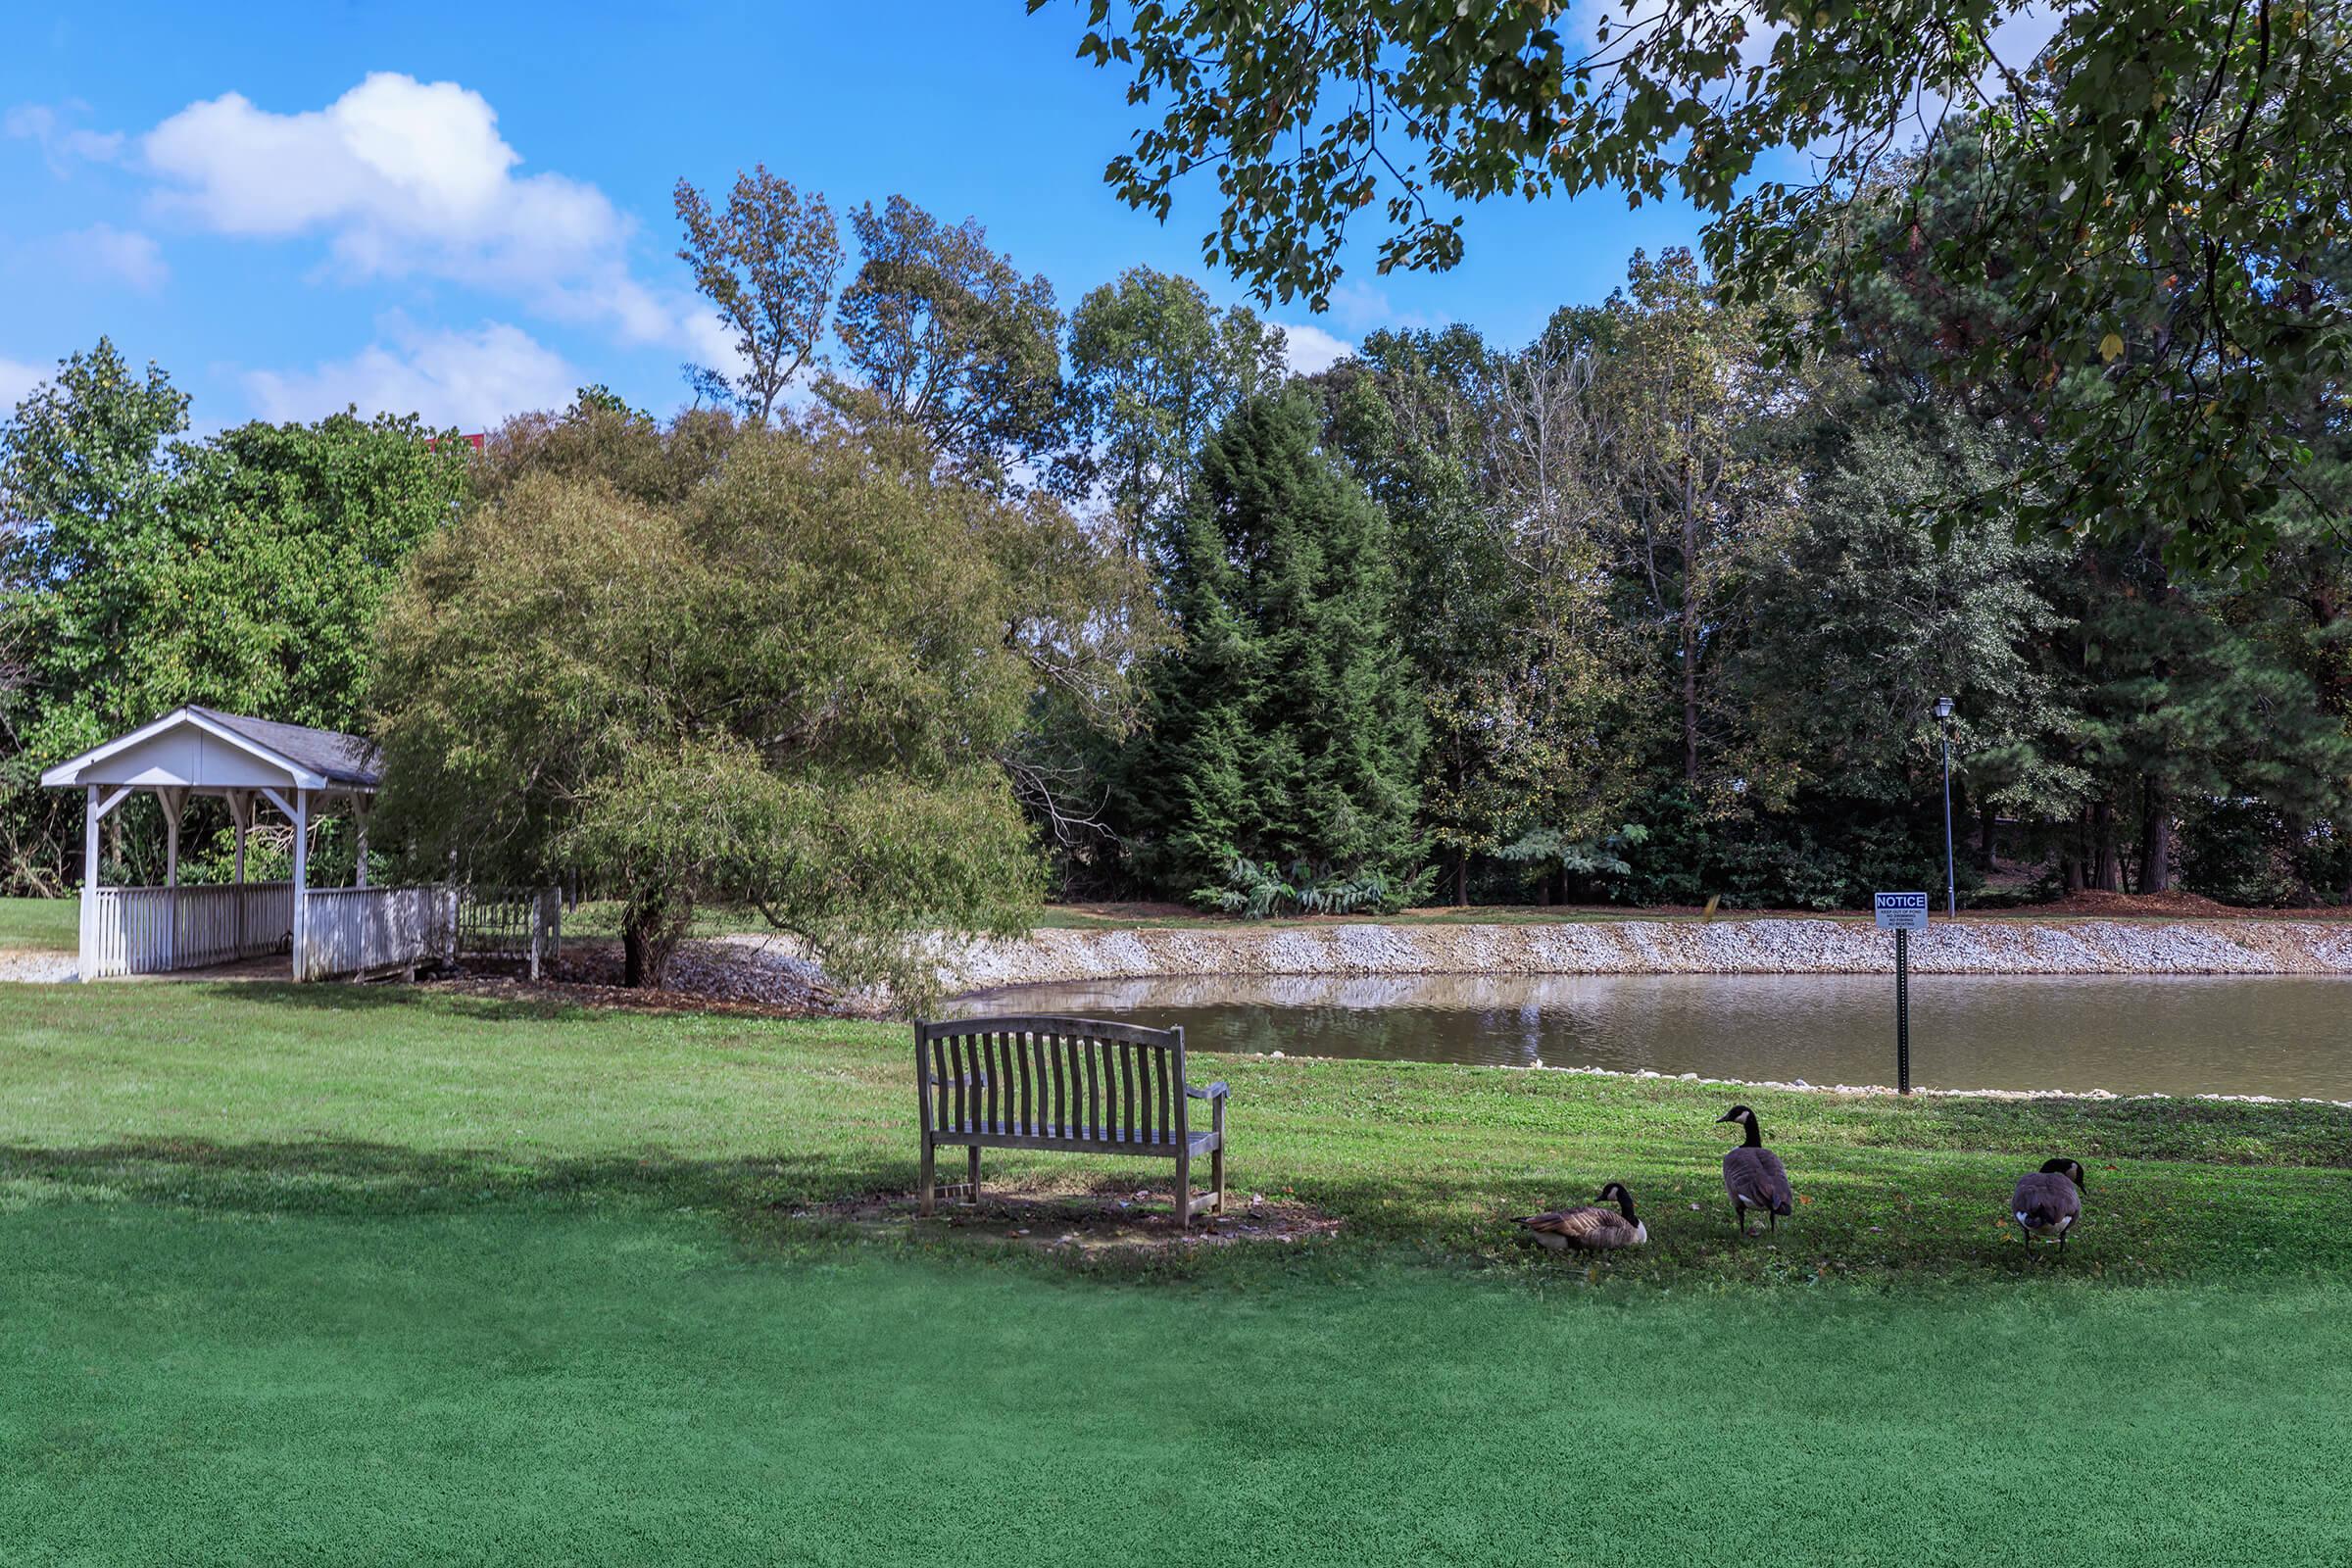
[[1655, 947]]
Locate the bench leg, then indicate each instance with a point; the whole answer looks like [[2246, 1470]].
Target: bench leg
[[926, 1184], [972, 1177], [1217, 1177], [1184, 1190]]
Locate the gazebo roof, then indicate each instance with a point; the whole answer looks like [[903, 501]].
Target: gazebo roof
[[201, 749]]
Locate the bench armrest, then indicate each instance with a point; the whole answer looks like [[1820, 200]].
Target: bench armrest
[[1215, 1090]]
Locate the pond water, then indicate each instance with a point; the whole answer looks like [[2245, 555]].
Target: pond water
[[2177, 1035]]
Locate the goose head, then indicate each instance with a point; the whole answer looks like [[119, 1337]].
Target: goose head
[[1745, 1118], [1615, 1193], [2067, 1168]]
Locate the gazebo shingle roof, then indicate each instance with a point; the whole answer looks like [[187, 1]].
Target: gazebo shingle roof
[[342, 759]]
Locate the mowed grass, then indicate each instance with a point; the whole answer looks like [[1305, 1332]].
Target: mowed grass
[[342, 1275], [40, 925]]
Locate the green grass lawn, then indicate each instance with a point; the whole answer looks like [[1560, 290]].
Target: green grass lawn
[[44, 925], [364, 1275]]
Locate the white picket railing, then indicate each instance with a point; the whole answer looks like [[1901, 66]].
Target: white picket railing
[[358, 930], [149, 930]]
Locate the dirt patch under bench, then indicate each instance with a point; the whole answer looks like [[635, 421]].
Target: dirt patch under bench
[[1078, 1215]]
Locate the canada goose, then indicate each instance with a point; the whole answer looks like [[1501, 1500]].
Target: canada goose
[[2049, 1201], [1586, 1228], [1753, 1175]]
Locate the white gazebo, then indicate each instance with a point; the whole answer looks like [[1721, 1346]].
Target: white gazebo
[[249, 763]]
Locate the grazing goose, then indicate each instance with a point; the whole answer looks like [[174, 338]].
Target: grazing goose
[[1586, 1228], [2049, 1201], [1753, 1175]]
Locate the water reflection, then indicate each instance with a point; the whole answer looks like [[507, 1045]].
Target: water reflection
[[2166, 1034]]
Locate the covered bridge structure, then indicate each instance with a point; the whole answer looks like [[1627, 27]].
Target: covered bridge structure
[[253, 766]]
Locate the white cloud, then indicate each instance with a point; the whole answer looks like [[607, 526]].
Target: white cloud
[[1309, 349], [472, 381], [126, 253], [62, 145], [17, 381], [402, 177]]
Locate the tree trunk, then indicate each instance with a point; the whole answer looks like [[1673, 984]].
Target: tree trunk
[[2107, 872], [2156, 842], [1985, 827], [1461, 879], [649, 935], [1691, 693]]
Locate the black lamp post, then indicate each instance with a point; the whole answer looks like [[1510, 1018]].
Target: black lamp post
[[1951, 877]]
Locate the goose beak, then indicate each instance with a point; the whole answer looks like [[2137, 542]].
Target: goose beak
[[1726, 1118]]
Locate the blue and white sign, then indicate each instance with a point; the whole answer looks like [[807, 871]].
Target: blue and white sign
[[1901, 911]]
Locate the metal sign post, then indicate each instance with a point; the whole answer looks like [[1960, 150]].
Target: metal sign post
[[1901, 913]]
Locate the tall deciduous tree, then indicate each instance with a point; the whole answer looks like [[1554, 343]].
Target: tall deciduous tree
[[1155, 368], [698, 662], [944, 335], [766, 261], [1682, 392], [1286, 729]]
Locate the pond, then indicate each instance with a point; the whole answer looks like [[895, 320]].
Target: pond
[[2178, 1034]]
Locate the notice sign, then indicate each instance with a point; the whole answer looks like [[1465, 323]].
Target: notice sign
[[1901, 911]]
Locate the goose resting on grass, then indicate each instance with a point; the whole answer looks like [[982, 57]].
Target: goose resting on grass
[[2049, 1201], [1753, 1175], [1586, 1228]]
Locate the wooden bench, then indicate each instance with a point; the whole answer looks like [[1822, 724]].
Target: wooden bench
[[1069, 1084]]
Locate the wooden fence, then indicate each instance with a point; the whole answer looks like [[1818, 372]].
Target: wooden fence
[[150, 930], [345, 930], [369, 930]]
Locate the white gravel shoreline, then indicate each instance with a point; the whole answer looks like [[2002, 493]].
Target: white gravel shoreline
[[1784, 946]]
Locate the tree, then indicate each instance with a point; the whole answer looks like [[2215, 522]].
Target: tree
[[1155, 368], [1856, 622], [768, 262], [1682, 395], [945, 336], [708, 661], [2163, 180], [1286, 729], [1486, 465]]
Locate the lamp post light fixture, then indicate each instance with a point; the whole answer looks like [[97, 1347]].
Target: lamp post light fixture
[[1951, 869]]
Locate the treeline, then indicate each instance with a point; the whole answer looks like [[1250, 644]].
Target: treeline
[[1651, 610], [1654, 608]]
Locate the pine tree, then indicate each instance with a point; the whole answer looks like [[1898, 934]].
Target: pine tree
[[1286, 729]]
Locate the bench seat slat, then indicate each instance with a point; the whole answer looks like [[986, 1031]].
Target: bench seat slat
[[998, 1138]]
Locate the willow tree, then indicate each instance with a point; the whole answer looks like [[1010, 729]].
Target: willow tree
[[714, 662]]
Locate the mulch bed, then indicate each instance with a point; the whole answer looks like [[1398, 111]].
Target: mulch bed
[[619, 998]]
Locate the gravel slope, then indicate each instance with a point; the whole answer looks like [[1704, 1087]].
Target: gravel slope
[[1656, 947]]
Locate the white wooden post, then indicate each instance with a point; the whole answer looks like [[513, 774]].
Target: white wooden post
[[173, 801], [89, 884], [240, 811], [302, 869]]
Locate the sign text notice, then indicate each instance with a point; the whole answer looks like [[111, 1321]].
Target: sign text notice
[[1901, 911]]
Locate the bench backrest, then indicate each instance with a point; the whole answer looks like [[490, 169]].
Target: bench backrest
[[1061, 1078]]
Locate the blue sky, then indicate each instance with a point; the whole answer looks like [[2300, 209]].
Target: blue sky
[[466, 213]]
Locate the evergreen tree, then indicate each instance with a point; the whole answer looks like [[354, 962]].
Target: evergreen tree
[[1286, 731]]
